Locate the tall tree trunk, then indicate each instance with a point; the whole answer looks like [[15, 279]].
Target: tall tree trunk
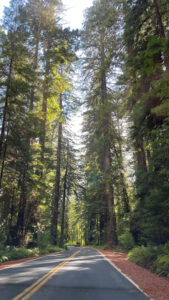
[[55, 205], [22, 208], [141, 169], [35, 68], [44, 106], [141, 156], [5, 107], [3, 161], [101, 228], [161, 30], [159, 19], [119, 157], [63, 205], [4, 120], [110, 233]]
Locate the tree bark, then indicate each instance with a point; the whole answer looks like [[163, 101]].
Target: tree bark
[[3, 162], [63, 206], [55, 205], [161, 30], [22, 208], [110, 222], [35, 68], [159, 19], [44, 106], [6, 107]]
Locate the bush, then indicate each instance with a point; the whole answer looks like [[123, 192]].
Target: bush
[[161, 265], [49, 249], [43, 240], [155, 258], [3, 258], [126, 241], [17, 253], [144, 256]]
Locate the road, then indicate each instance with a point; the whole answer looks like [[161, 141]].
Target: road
[[75, 274]]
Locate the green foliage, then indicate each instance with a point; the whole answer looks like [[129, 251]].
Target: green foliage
[[9, 254], [126, 241], [143, 256], [155, 258], [17, 253], [161, 265], [43, 240], [50, 248], [44, 244]]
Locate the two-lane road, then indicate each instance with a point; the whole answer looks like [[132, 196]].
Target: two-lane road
[[75, 274]]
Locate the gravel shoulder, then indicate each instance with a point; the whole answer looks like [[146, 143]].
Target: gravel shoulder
[[155, 287]]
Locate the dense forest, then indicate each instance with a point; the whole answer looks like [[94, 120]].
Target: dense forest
[[115, 189]]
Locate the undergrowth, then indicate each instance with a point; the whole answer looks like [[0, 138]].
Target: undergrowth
[[8, 253], [155, 258]]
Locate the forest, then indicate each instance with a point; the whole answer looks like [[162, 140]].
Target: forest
[[113, 191]]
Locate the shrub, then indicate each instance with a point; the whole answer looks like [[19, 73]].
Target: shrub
[[144, 256], [49, 249], [126, 241], [43, 240], [17, 253], [161, 265], [3, 258]]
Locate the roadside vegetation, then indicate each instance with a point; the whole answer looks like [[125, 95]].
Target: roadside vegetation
[[155, 258], [44, 246]]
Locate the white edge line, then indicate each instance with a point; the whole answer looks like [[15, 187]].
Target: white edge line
[[127, 277], [24, 262]]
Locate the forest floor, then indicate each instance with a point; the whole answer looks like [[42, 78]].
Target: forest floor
[[156, 288]]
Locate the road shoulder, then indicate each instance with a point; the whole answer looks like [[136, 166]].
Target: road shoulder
[[154, 286]]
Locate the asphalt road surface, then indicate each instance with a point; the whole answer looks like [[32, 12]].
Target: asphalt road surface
[[75, 274]]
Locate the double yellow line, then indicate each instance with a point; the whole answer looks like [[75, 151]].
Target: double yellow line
[[32, 289]]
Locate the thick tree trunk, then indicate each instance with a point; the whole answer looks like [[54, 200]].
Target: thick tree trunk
[[141, 156], [101, 228], [4, 121], [6, 107], [119, 157], [110, 221], [35, 68], [63, 206], [159, 19], [55, 205], [44, 108], [141, 170], [110, 234], [22, 208], [3, 161], [161, 30]]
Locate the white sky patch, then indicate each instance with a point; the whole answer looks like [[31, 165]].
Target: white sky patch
[[2, 4], [74, 12]]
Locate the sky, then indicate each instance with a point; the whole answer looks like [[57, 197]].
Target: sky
[[73, 13]]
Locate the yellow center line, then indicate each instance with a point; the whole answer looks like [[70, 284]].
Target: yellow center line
[[40, 282]]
